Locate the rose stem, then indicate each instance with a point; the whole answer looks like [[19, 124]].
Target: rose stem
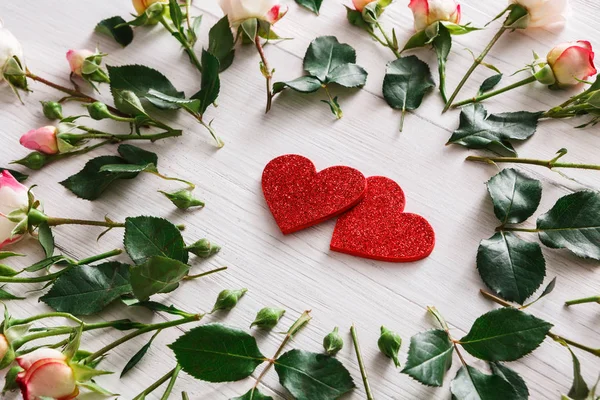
[[361, 364], [592, 299], [266, 70], [169, 388], [543, 163], [552, 335], [190, 277], [108, 224], [156, 384], [487, 95]]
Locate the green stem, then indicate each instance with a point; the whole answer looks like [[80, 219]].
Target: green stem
[[442, 74], [33, 279], [169, 388], [266, 71], [168, 178], [493, 93], [335, 108], [214, 271], [377, 38], [146, 329], [475, 64], [181, 39], [209, 128], [156, 384], [530, 161], [96, 134], [361, 364], [390, 43], [92, 259], [552, 335], [107, 224], [184, 396], [46, 315], [513, 229], [592, 299]]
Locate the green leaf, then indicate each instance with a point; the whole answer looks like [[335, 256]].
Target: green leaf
[[146, 237], [217, 353], [128, 168], [10, 380], [155, 306], [312, 5], [4, 295], [250, 28], [156, 275], [221, 43], [176, 14], [506, 334], [515, 380], [20, 177], [116, 28], [419, 39], [579, 389], [46, 238], [573, 223], [45, 263], [515, 195], [312, 376], [253, 394], [355, 18], [475, 385], [5, 270], [348, 75], [489, 84], [304, 84], [86, 290], [140, 79], [137, 357], [325, 54], [547, 290], [90, 182], [480, 130], [135, 155], [8, 254], [429, 357], [510, 266], [442, 44], [210, 84], [406, 82]]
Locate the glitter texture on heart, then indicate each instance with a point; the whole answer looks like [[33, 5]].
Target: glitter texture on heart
[[378, 228], [299, 197]]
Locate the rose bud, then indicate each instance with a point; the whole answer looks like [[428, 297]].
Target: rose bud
[[42, 139], [389, 344], [34, 160], [359, 5], [571, 62], [52, 110], [544, 13], [183, 199], [228, 299], [142, 5], [203, 248], [267, 318], [426, 12], [11, 57], [238, 11], [86, 64], [333, 342], [4, 349], [13, 197], [47, 374]]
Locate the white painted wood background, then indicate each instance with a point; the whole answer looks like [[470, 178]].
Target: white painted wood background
[[298, 271]]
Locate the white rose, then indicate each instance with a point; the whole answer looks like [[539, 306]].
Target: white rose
[[545, 13], [13, 197], [238, 11], [9, 48]]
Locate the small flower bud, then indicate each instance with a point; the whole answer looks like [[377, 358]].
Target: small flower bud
[[34, 160], [128, 102], [98, 111], [52, 110], [203, 248], [333, 342], [228, 299], [268, 317], [389, 344], [183, 199], [86, 63], [42, 139]]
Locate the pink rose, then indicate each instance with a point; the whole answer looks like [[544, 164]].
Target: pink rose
[[426, 12], [13, 197], [545, 13], [76, 59], [41, 139], [141, 5], [238, 11], [572, 62], [46, 374]]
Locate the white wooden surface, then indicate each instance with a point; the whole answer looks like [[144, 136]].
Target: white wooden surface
[[298, 271]]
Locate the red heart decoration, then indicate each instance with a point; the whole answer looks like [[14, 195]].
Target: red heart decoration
[[300, 197], [378, 229]]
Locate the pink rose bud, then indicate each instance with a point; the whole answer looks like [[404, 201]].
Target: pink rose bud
[[238, 11], [42, 139], [141, 5], [545, 13], [46, 374], [13, 197], [572, 62], [426, 12], [76, 59]]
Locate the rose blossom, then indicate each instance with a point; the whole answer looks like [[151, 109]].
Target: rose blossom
[[545, 13], [13, 197], [141, 5], [42, 139], [9, 48], [572, 62], [426, 12], [238, 11], [46, 374]]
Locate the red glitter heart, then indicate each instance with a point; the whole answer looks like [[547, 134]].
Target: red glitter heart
[[378, 229], [300, 197]]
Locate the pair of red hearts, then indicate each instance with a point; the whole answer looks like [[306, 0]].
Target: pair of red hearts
[[374, 224]]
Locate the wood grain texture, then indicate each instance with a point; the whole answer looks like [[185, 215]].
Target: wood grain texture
[[298, 272]]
